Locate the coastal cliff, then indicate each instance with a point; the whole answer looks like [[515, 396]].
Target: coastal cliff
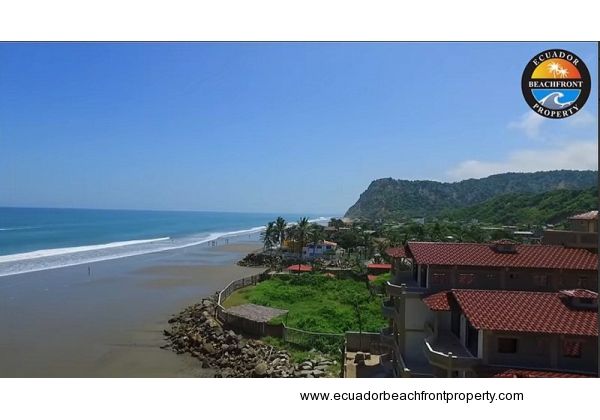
[[389, 198]]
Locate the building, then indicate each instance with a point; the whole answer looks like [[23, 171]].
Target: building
[[319, 250], [582, 233], [376, 269], [480, 333], [299, 268], [424, 272], [379, 268], [501, 265]]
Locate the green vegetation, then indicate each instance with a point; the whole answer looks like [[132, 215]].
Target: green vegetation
[[299, 354], [530, 209], [316, 302], [437, 231], [239, 297], [380, 281], [278, 231], [390, 199]]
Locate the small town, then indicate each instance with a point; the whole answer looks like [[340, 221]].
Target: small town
[[360, 299]]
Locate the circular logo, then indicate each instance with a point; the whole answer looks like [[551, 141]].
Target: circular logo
[[556, 83]]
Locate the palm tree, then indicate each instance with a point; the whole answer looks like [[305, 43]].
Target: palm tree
[[367, 243], [268, 236], [280, 230], [383, 245], [302, 230], [316, 234]]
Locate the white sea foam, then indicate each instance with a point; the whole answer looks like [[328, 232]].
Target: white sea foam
[[18, 228], [64, 257], [71, 250]]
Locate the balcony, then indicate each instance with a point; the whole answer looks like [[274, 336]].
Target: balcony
[[395, 289], [387, 338], [388, 310], [447, 352]]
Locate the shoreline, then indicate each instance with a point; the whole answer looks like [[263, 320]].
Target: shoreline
[[66, 322], [37, 256], [62, 257]]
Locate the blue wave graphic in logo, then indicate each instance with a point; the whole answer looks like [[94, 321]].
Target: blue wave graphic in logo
[[556, 98]]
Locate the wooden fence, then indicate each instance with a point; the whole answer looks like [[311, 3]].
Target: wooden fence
[[227, 318], [326, 342]]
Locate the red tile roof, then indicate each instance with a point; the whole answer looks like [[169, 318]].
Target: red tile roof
[[504, 242], [580, 293], [300, 267], [399, 252], [526, 373], [536, 312], [380, 266], [526, 256], [590, 215], [438, 301]]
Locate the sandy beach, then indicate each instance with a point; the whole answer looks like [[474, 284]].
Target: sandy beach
[[66, 323]]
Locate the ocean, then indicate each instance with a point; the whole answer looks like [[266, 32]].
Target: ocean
[[33, 239]]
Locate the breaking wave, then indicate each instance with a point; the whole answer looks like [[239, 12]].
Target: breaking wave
[[46, 259]]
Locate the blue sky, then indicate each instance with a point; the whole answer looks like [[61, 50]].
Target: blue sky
[[286, 127]]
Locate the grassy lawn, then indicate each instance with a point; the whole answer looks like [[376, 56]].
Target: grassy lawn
[[316, 303], [239, 297]]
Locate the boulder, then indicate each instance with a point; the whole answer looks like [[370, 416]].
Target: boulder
[[209, 348], [260, 370]]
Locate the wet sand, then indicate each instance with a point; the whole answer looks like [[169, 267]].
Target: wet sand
[[64, 323]]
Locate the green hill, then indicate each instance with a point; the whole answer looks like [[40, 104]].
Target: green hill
[[534, 209], [391, 199]]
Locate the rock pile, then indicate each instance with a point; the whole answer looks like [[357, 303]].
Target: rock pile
[[196, 331], [314, 368], [260, 260]]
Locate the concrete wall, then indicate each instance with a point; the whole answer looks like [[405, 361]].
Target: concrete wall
[[584, 225], [365, 342], [571, 239], [417, 314], [413, 354]]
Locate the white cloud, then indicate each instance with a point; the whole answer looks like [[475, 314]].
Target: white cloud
[[574, 155], [582, 119], [530, 124]]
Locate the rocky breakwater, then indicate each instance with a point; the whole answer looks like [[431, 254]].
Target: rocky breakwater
[[197, 332]]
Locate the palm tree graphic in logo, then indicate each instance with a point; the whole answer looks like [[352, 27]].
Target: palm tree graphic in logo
[[557, 70]]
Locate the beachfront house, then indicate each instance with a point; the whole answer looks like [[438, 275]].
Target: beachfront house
[[500, 265], [423, 269], [482, 333], [319, 249]]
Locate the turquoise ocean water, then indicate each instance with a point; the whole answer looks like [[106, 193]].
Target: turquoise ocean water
[[33, 239]]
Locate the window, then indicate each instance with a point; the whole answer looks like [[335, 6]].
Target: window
[[466, 279], [507, 345], [513, 275], [439, 279], [572, 348], [540, 280]]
